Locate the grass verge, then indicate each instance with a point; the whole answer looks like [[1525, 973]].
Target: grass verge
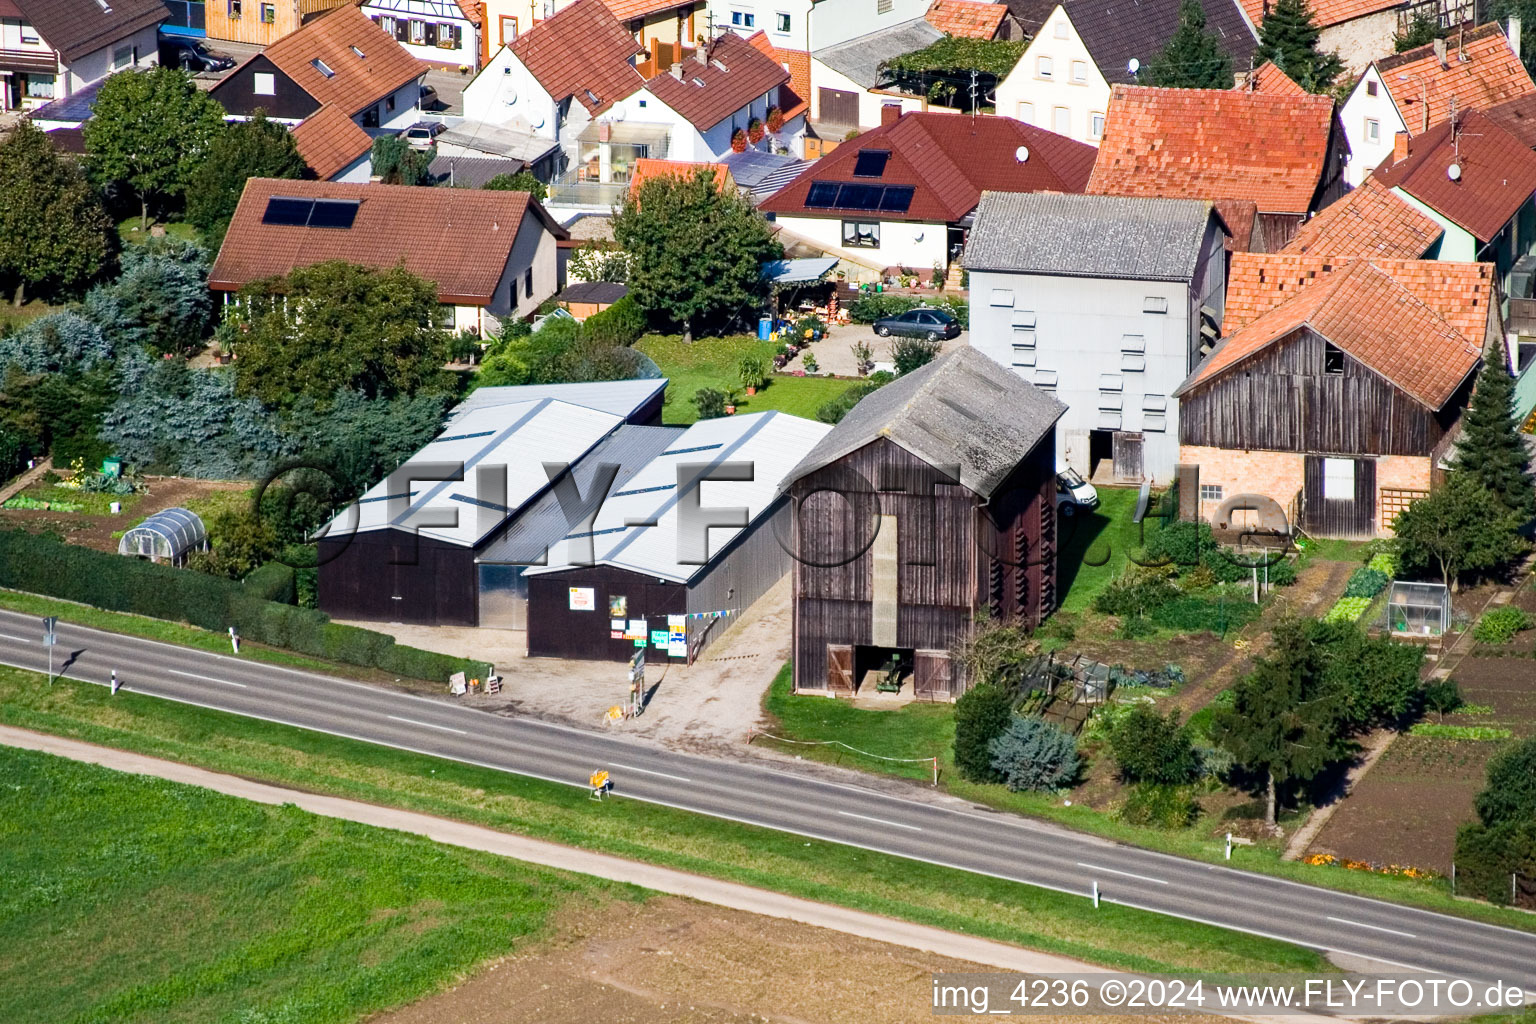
[[1094, 547], [910, 890], [132, 899], [928, 730]]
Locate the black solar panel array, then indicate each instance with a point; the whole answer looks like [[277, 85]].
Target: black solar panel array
[[314, 213], [832, 195]]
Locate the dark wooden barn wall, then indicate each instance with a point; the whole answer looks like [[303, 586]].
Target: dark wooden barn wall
[[238, 95], [1354, 517], [946, 545], [396, 576], [1281, 400], [555, 631]]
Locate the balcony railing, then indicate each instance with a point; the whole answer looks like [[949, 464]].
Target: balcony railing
[[568, 191]]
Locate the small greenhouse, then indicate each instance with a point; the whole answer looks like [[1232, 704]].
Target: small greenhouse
[[1418, 609], [166, 536]]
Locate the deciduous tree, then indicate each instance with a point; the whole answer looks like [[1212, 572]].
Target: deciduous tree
[[522, 181], [981, 715], [1193, 58], [148, 132], [1289, 37], [257, 148], [697, 252], [1149, 747], [338, 326], [1460, 527], [54, 232], [399, 163]]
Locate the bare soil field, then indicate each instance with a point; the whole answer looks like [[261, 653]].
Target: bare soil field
[[673, 961]]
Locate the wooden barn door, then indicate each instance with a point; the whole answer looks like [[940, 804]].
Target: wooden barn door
[[1339, 497], [1127, 453], [931, 675], [840, 668], [839, 107]]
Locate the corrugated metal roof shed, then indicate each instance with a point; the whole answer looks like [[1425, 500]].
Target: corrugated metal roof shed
[[521, 437], [860, 58], [546, 521], [963, 409], [1088, 236], [770, 442], [620, 397]]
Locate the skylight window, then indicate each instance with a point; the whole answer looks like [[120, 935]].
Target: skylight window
[[360, 53], [322, 67], [871, 163]]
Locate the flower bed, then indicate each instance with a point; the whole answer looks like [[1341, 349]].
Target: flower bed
[[1328, 860]]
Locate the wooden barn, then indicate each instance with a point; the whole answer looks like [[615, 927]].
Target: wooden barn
[[1338, 401], [931, 504], [644, 572], [409, 549]]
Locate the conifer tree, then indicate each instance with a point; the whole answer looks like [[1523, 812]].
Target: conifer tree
[[1288, 37], [1193, 58], [1491, 449]]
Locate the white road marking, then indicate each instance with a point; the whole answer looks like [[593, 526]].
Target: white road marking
[[209, 679], [425, 725], [647, 771], [1127, 874], [879, 821], [18, 639], [1373, 927]]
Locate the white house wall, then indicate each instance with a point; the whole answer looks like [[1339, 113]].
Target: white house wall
[[1080, 329], [900, 244], [724, 14], [837, 21], [96, 65], [467, 53], [1358, 112], [357, 172], [1457, 245], [506, 93], [870, 103], [1025, 95]]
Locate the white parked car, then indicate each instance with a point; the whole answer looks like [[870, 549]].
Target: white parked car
[[1073, 493]]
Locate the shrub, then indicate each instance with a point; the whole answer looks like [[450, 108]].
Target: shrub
[[752, 372], [1224, 567], [1135, 593], [273, 582], [913, 353], [710, 402], [1181, 543], [872, 306], [834, 409], [1283, 573], [981, 715], [620, 324], [1365, 582], [1149, 747], [1500, 625], [1160, 806], [1033, 754]]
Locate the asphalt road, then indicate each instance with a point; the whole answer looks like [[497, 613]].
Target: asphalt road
[[972, 840]]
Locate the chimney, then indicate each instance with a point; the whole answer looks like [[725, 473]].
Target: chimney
[[1399, 147], [890, 113], [677, 71], [701, 54], [1440, 54], [1514, 33]]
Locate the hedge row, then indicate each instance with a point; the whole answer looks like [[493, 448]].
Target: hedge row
[[43, 565]]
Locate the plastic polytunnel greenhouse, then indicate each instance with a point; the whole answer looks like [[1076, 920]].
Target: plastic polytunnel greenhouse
[[166, 536], [1418, 609]]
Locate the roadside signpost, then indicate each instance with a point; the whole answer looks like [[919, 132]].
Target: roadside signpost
[[50, 638], [637, 683]]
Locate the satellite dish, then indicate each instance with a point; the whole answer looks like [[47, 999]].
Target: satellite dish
[[536, 121], [1453, 172], [511, 95], [1021, 154], [917, 236], [1132, 66]]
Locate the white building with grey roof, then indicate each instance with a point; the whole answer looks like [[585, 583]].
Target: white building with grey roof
[[1108, 302]]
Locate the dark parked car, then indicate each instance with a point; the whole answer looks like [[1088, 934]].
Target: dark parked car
[[933, 324], [192, 55]]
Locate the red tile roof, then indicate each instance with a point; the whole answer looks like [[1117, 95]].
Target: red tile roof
[[628, 10], [967, 19], [1370, 221], [1324, 12], [1215, 144], [78, 28], [798, 64], [649, 167], [949, 159], [583, 52], [1518, 117], [1268, 78], [459, 238], [1364, 310], [737, 74], [1481, 71], [358, 81], [1459, 292], [1241, 217], [330, 141], [1497, 173]]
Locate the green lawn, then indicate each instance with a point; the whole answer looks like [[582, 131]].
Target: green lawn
[[18, 316], [128, 231], [1093, 547], [926, 730], [130, 899], [713, 362], [904, 889]]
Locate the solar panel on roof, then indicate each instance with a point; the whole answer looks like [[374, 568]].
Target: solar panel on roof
[[871, 163], [897, 198], [823, 194], [333, 213], [859, 197], [287, 210]]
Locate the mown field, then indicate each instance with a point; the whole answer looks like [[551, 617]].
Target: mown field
[[129, 899]]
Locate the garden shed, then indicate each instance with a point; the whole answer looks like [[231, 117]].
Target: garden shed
[[1418, 609], [167, 536]]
